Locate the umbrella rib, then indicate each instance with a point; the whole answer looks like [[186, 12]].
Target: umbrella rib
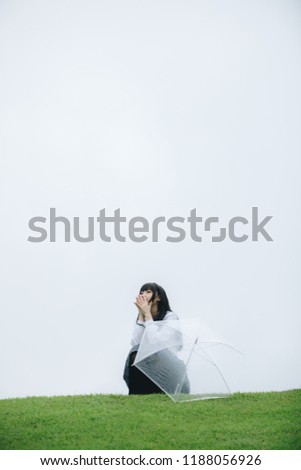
[[218, 370]]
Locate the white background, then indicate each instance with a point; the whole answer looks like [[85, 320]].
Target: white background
[[156, 108]]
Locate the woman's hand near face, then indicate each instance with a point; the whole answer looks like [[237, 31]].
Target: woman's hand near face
[[144, 308]]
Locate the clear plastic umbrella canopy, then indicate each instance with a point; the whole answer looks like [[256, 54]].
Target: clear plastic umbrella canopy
[[185, 359]]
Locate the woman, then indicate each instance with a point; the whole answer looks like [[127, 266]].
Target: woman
[[153, 306]]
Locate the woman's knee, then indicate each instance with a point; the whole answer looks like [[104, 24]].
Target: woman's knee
[[132, 357]]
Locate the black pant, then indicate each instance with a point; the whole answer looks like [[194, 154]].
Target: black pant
[[139, 383]]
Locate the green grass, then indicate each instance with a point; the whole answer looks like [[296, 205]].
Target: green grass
[[243, 421]]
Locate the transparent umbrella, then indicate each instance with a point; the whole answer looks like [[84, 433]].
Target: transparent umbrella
[[185, 359]]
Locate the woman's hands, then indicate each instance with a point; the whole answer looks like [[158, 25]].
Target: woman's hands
[[144, 307]]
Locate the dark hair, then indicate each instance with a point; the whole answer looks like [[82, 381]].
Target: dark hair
[[163, 304]]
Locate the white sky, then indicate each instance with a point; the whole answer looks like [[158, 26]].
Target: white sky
[[156, 108]]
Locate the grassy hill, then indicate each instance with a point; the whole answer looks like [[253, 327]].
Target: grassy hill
[[243, 421]]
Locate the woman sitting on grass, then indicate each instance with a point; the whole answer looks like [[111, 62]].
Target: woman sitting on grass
[[153, 305]]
